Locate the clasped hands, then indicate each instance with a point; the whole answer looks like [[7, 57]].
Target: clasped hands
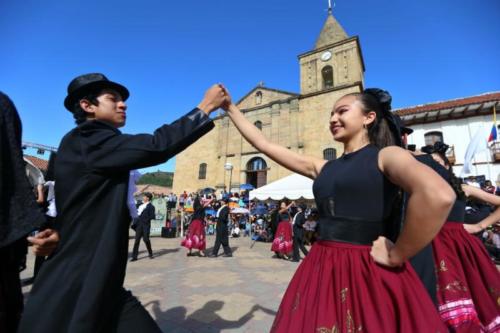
[[217, 96]]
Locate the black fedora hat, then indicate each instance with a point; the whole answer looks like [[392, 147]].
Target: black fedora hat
[[85, 83]]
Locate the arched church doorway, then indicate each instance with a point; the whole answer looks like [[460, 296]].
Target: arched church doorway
[[256, 172]]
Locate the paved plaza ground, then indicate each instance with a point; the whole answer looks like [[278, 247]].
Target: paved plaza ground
[[207, 295]]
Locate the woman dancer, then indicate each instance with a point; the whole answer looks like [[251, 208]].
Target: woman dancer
[[354, 279], [468, 282], [282, 243], [195, 236]]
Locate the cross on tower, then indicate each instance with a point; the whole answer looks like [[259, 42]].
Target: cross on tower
[[330, 6]]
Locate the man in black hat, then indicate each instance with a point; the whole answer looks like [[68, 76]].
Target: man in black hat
[[222, 232], [146, 212], [81, 286], [423, 261], [298, 233]]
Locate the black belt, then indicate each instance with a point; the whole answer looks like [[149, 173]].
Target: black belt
[[350, 229]]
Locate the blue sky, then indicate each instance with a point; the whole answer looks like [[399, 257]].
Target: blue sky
[[167, 53]]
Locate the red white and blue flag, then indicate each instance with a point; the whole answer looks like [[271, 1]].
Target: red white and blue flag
[[493, 134]]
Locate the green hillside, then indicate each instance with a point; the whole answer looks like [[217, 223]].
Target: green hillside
[[160, 178]]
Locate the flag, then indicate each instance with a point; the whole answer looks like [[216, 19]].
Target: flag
[[476, 145], [493, 134]]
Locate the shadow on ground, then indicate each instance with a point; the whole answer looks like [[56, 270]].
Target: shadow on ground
[[204, 320], [156, 253]]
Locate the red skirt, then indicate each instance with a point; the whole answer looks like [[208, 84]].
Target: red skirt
[[468, 282], [195, 236], [283, 242], [339, 288]]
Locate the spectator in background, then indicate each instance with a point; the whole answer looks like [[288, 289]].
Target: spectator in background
[[488, 187], [310, 227], [48, 202], [182, 199]]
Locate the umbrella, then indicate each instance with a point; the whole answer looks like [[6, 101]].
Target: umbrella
[[210, 211], [240, 211], [207, 190], [247, 187], [260, 210]]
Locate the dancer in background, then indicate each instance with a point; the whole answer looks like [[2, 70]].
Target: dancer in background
[[423, 261], [146, 213], [468, 282], [282, 244], [222, 231], [298, 233], [354, 278], [196, 236]]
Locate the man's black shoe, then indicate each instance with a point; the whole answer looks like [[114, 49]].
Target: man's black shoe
[[227, 255], [211, 255], [133, 259]]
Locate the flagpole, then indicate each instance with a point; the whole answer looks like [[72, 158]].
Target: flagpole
[[495, 114]]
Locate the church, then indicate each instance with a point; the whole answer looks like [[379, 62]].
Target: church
[[298, 121]]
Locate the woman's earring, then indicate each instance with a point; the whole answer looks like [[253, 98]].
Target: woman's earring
[[364, 126]]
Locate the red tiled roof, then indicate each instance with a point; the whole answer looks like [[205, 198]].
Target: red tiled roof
[[38, 162], [488, 97]]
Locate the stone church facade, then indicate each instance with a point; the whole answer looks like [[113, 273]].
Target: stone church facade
[[298, 121]]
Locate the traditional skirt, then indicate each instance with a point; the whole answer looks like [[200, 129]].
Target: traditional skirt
[[468, 282], [339, 288], [195, 236], [283, 242]]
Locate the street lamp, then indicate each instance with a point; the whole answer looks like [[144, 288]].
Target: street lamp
[[228, 166]]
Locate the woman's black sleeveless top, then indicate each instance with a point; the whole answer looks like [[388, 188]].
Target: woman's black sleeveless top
[[284, 217], [199, 211], [354, 198]]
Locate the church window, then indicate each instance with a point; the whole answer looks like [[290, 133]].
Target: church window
[[258, 97], [256, 164], [330, 154], [256, 172], [327, 74], [258, 124], [202, 173], [432, 137]]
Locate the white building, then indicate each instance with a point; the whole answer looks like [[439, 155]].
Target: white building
[[456, 122]]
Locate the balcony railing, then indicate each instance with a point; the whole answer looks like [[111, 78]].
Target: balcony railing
[[495, 151]]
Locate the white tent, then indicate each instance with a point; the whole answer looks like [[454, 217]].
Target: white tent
[[292, 187]]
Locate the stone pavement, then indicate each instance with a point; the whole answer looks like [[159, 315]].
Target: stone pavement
[[207, 295]]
